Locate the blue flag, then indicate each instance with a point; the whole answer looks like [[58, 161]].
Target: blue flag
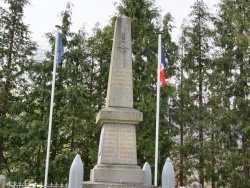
[[60, 49]]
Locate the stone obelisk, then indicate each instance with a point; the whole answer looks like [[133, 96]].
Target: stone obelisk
[[117, 155]]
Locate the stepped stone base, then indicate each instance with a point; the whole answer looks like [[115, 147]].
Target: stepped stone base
[[117, 174], [89, 184]]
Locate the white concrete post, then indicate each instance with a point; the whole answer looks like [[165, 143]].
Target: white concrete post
[[148, 174], [168, 177], [195, 185], [76, 173], [2, 181]]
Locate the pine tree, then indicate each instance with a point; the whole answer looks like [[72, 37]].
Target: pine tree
[[193, 87], [99, 55], [17, 51], [71, 104], [232, 65]]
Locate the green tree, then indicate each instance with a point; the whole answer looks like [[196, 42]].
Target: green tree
[[231, 91], [16, 53], [73, 118], [80, 92], [99, 47], [69, 111], [191, 104]]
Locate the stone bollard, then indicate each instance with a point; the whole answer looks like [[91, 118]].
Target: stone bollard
[[2, 181], [148, 175], [195, 185], [168, 176], [76, 173]]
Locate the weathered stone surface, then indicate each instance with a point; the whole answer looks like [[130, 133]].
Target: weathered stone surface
[[120, 89], [117, 144], [118, 174], [117, 154], [113, 185], [119, 115]]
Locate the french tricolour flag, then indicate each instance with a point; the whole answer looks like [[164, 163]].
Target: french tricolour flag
[[164, 62]]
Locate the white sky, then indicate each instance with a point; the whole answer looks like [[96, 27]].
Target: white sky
[[43, 15]]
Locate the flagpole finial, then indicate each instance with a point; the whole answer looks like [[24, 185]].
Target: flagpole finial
[[58, 26], [160, 32]]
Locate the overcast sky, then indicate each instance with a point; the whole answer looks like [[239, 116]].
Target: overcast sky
[[43, 15]]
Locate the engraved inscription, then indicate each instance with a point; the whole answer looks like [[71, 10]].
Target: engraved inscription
[[123, 47], [119, 144], [110, 143], [124, 63], [127, 144], [121, 79], [120, 85]]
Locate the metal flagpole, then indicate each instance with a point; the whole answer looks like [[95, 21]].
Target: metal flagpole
[[51, 105], [157, 109]]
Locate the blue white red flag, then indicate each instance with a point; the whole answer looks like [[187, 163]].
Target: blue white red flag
[[164, 62]]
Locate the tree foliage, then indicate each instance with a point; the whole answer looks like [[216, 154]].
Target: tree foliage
[[204, 109], [16, 55], [230, 91], [195, 67]]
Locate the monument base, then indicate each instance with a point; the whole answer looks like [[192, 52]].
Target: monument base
[[123, 174], [116, 176], [89, 184]]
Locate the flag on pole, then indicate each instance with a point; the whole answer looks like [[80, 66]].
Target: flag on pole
[[164, 62], [60, 49], [161, 82], [160, 73]]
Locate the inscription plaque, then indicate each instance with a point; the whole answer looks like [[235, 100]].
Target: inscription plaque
[[118, 144]]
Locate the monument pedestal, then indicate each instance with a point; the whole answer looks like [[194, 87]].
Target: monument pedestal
[[117, 174], [117, 156], [114, 185]]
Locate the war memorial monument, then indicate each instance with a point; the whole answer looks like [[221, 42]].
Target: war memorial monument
[[117, 156]]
